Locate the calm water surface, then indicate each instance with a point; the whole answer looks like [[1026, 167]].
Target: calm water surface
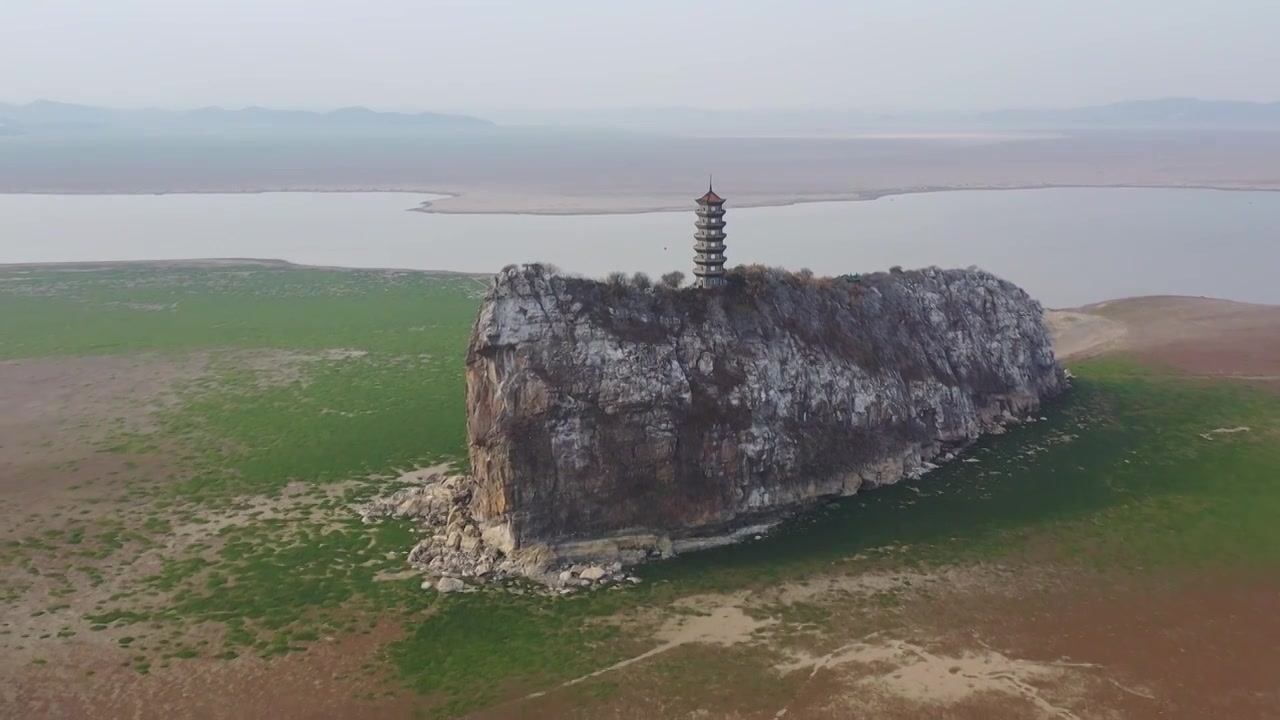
[[1066, 246]]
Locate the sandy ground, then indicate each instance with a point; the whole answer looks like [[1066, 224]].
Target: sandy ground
[[1079, 335], [570, 172], [972, 644], [499, 201], [1196, 336]]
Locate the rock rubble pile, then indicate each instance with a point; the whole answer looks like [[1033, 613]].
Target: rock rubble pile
[[454, 551]]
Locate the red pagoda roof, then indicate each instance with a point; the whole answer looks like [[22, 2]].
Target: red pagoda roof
[[711, 198]]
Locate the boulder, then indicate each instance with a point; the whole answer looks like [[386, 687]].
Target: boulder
[[449, 585]]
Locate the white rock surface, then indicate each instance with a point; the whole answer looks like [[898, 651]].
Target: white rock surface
[[595, 409], [449, 585], [612, 425]]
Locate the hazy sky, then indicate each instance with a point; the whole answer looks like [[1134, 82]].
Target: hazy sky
[[477, 55]]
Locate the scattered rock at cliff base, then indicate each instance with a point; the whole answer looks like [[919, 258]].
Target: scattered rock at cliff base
[[455, 546], [609, 425]]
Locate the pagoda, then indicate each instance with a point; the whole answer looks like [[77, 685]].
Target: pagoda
[[708, 263]]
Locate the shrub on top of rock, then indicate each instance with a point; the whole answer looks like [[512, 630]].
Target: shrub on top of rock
[[673, 279]]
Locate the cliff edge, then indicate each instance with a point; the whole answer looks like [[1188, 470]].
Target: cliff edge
[[615, 418]]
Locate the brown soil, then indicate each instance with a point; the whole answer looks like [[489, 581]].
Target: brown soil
[[59, 418], [1123, 648], [1193, 336], [1207, 649], [60, 461], [327, 681], [966, 644], [58, 414], [1095, 647]]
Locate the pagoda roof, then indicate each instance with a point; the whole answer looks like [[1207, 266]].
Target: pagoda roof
[[711, 198]]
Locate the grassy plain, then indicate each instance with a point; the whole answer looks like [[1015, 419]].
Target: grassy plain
[[210, 523]]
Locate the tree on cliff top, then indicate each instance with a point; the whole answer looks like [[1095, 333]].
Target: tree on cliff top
[[673, 279]]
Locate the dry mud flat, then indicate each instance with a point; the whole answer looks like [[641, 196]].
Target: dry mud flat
[[60, 421], [973, 643]]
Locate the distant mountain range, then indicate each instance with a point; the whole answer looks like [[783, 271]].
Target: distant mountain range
[[1170, 113], [1164, 113], [48, 115]]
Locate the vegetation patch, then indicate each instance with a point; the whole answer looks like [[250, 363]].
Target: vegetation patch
[[246, 537]]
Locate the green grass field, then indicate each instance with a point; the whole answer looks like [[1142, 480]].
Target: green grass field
[[1120, 477]]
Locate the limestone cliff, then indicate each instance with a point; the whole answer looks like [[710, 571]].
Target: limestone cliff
[[613, 410]]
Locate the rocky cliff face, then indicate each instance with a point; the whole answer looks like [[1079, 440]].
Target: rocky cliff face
[[651, 415]]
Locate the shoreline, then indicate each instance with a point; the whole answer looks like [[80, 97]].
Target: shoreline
[[431, 206], [278, 264], [475, 202], [216, 262]]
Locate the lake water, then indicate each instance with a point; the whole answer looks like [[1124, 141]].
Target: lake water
[[1066, 246]]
